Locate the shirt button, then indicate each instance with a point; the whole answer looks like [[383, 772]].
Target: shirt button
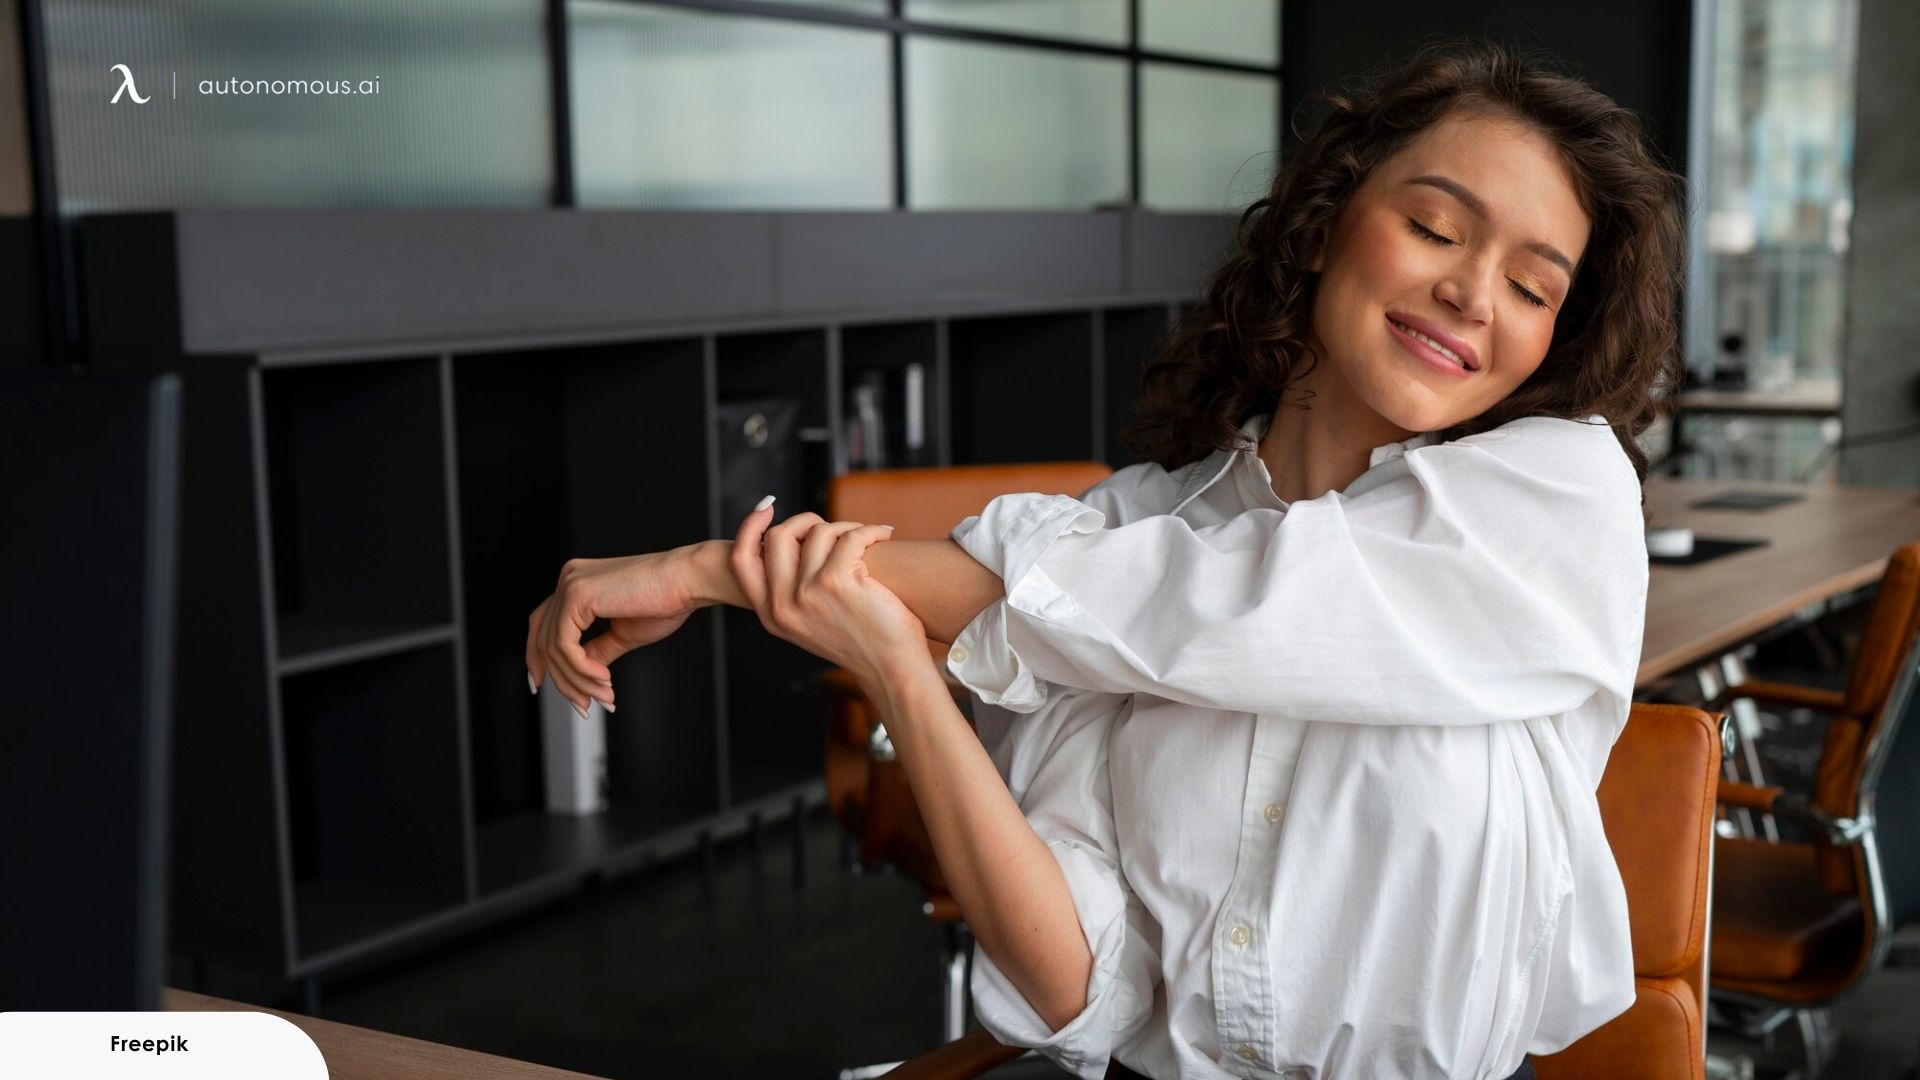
[[958, 654], [1246, 1052], [1273, 813], [1240, 935]]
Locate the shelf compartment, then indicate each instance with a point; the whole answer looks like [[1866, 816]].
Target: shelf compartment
[[374, 796], [537, 847], [356, 467], [1131, 337], [1022, 388], [886, 352], [569, 453]]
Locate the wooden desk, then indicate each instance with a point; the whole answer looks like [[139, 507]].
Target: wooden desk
[[1832, 540], [1808, 397], [359, 1054]]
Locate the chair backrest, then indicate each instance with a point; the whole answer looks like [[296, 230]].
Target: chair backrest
[[1889, 633], [1657, 802], [925, 504], [1889, 793], [1885, 645]]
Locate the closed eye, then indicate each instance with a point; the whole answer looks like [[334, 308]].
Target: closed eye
[[1428, 234]]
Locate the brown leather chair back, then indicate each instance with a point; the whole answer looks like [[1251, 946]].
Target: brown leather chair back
[[925, 504], [1887, 640], [1657, 801]]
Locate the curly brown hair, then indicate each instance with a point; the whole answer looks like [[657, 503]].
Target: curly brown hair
[[1615, 346]]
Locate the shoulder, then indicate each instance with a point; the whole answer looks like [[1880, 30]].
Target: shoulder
[[1582, 458], [1136, 491]]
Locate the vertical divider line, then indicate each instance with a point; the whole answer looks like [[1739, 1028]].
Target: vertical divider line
[[836, 393], [270, 635], [898, 75], [456, 585], [942, 390], [710, 381], [560, 92], [1133, 104], [1097, 336]]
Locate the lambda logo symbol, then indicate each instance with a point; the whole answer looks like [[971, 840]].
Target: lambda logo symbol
[[126, 86]]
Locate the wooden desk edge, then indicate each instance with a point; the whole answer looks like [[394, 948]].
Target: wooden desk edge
[[1694, 652], [354, 1053]]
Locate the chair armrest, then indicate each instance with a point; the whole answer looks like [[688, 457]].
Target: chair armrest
[[1839, 831], [972, 1054], [1747, 796], [1779, 693]]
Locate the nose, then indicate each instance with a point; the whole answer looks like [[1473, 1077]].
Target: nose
[[1468, 288]]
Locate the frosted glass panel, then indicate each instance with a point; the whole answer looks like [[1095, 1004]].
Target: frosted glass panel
[[676, 108], [867, 7], [1011, 128], [1243, 30], [1102, 21], [1207, 140], [300, 103]]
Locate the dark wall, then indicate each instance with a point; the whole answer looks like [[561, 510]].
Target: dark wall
[[1634, 50], [20, 340]]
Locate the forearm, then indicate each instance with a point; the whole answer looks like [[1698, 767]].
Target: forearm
[[1006, 881], [940, 583]]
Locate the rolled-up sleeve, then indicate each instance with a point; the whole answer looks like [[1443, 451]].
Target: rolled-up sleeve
[[1055, 763], [1497, 577]]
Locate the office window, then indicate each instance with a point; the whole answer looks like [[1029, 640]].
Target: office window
[[300, 103], [1208, 138], [1767, 299], [1101, 21], [996, 127], [1247, 31], [678, 108], [1779, 192]]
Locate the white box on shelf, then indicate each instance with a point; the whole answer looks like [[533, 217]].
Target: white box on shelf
[[576, 754]]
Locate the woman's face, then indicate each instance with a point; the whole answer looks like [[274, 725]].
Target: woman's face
[[1468, 236]]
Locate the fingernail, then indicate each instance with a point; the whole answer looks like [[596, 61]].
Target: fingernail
[[532, 687], [763, 504], [889, 528], [607, 705], [580, 712]]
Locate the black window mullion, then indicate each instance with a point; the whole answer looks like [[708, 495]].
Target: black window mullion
[[899, 106], [560, 90], [1134, 194]]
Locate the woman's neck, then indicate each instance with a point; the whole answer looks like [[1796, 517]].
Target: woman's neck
[[1326, 445]]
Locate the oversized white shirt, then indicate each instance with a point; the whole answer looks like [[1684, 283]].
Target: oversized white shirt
[[1321, 777]]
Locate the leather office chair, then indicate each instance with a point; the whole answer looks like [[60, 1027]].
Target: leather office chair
[[1797, 924], [866, 788], [1657, 802]]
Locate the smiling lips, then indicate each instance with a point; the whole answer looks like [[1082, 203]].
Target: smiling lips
[[1441, 343]]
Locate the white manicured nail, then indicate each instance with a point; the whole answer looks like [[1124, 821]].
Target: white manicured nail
[[889, 528], [763, 504], [532, 687]]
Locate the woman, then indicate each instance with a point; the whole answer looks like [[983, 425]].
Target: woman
[[1317, 699]]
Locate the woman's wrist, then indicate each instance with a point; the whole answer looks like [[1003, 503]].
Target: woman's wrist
[[901, 682], [705, 575]]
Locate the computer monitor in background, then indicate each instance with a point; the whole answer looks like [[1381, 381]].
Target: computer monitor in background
[[89, 486]]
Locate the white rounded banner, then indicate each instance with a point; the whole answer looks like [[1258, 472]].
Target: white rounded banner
[[197, 1045]]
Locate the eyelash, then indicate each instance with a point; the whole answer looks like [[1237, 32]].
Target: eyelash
[[1426, 233]]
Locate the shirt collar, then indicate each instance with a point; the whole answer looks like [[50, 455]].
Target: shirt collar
[[1204, 473]]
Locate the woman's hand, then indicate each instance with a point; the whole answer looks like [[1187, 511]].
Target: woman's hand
[[643, 597], [808, 581]]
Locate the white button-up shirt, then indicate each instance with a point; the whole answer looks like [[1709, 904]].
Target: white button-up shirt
[[1321, 777]]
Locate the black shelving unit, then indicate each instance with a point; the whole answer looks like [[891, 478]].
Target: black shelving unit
[[400, 424]]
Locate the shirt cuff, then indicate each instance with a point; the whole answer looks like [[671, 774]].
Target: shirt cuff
[[1119, 989], [1009, 537]]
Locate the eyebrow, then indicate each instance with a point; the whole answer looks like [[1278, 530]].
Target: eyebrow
[[1479, 207]]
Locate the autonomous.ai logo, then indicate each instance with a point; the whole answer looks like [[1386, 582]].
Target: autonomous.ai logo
[[126, 85]]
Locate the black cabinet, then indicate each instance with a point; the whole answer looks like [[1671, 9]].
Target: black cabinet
[[399, 425]]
